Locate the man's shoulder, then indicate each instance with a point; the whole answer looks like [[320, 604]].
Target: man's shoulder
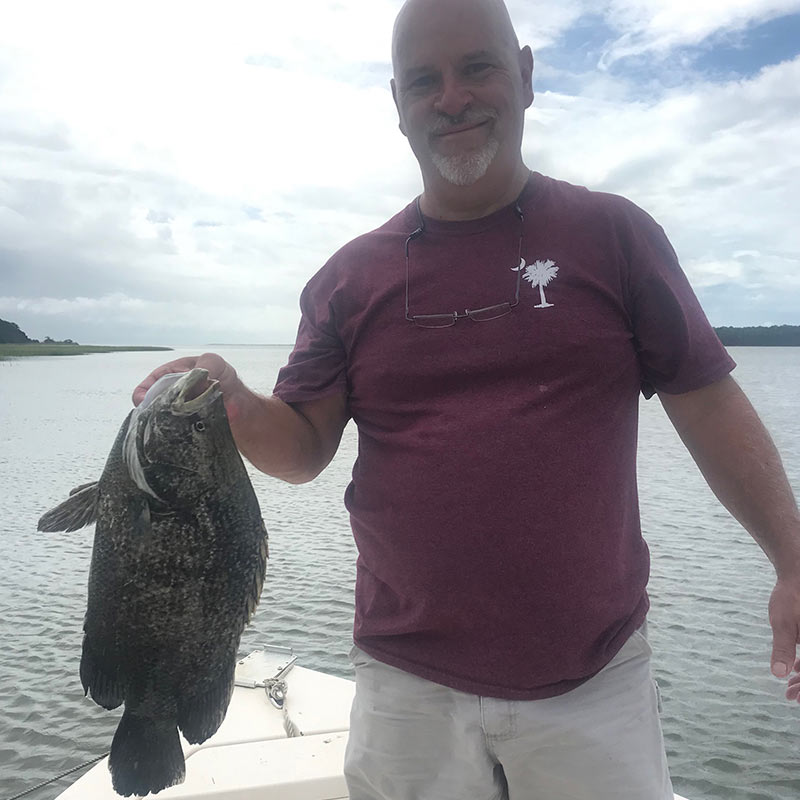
[[580, 196], [375, 246], [398, 226], [599, 209]]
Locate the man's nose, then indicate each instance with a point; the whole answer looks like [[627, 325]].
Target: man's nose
[[454, 97]]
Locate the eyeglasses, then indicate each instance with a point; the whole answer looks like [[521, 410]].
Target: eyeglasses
[[476, 314]]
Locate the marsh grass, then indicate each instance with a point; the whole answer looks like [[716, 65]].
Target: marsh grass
[[25, 350]]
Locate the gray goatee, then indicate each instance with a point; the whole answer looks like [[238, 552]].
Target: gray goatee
[[464, 169]]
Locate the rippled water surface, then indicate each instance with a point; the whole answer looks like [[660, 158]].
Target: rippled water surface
[[730, 733]]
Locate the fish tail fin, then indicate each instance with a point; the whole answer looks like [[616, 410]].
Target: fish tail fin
[[77, 511], [201, 715], [146, 756]]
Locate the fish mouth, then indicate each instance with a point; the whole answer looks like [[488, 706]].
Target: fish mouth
[[193, 391], [183, 394]]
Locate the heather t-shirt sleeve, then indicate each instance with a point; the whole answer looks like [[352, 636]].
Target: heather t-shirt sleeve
[[678, 349], [317, 365]]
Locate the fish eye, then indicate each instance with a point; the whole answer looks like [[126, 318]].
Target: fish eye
[[199, 426]]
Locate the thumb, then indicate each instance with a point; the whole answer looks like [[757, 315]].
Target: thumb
[[784, 635], [781, 660], [138, 394]]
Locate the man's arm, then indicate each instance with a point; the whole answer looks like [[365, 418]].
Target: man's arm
[[740, 463], [292, 442]]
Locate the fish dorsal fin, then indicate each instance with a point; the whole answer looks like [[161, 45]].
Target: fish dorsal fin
[[77, 511], [82, 487]]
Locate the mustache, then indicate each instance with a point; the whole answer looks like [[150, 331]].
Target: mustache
[[443, 123]]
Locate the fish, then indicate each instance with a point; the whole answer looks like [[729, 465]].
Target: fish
[[178, 564]]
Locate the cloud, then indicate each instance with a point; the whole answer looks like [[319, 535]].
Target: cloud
[[189, 176], [162, 217], [702, 158], [660, 26]]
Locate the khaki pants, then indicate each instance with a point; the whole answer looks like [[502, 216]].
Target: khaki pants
[[411, 739]]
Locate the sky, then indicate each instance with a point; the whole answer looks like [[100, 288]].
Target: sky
[[173, 173]]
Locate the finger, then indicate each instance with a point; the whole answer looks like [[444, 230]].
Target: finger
[[784, 651], [784, 622], [218, 370], [179, 365], [779, 663]]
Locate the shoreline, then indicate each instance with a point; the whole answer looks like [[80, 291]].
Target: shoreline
[[32, 350]]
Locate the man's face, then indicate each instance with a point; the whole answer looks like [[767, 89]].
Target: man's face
[[461, 88]]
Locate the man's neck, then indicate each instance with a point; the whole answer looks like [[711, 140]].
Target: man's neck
[[445, 201]]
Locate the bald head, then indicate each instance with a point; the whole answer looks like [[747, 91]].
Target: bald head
[[461, 86], [416, 15]]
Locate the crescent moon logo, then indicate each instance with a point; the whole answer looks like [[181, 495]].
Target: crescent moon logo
[[521, 266]]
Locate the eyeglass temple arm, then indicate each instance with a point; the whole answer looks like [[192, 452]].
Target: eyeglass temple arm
[[421, 229], [518, 212], [414, 234]]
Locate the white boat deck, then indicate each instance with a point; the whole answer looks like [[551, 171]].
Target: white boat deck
[[251, 757]]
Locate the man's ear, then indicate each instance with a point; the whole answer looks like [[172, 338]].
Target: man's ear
[[397, 106], [526, 70]]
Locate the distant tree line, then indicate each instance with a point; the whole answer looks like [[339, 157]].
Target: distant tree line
[[773, 336], [11, 334]]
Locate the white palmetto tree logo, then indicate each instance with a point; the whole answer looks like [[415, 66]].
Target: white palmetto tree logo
[[540, 273]]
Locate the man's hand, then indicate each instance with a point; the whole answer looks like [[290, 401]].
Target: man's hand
[[793, 692], [218, 370], [784, 616]]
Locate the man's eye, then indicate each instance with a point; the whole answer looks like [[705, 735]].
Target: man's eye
[[423, 82], [477, 68]]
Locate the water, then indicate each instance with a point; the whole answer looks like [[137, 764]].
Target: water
[[730, 734]]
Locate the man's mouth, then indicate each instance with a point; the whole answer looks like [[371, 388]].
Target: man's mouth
[[461, 128]]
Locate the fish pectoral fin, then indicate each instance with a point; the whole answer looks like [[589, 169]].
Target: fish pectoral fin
[[77, 511]]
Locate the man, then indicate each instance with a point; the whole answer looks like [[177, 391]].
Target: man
[[500, 597]]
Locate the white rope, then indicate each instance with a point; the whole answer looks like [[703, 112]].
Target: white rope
[[291, 729], [276, 691]]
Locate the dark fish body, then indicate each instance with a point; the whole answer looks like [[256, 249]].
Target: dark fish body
[[177, 569]]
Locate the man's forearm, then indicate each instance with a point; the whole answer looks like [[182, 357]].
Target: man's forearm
[[294, 443], [739, 461], [278, 439]]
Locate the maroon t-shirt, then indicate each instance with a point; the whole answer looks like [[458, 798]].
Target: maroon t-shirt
[[494, 501]]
